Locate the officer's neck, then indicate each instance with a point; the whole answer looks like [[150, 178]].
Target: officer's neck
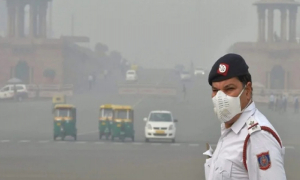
[[232, 121]]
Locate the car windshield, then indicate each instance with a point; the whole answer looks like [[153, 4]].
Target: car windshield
[[121, 114], [106, 113], [63, 113], [160, 117]]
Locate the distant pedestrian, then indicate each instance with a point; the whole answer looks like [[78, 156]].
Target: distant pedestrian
[[91, 80], [296, 104], [284, 103], [184, 91], [277, 103], [15, 92], [271, 101]]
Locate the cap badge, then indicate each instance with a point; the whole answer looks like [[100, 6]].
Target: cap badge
[[223, 69]]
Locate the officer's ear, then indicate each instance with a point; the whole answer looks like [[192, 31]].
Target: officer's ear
[[249, 90]]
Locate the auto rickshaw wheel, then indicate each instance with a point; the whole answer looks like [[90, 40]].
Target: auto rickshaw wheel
[[173, 141], [147, 140]]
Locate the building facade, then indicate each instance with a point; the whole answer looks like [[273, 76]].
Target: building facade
[[274, 60], [33, 57]]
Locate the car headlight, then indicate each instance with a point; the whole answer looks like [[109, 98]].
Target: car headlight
[[149, 126], [171, 127]]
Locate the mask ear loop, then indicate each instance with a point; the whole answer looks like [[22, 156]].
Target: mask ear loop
[[250, 101]]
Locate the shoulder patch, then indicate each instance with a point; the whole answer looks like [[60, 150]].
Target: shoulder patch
[[264, 160], [252, 125]]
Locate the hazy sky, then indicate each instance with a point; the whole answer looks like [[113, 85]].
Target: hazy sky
[[160, 33]]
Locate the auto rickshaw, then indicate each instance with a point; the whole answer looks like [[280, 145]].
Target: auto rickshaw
[[64, 121], [105, 120], [123, 123], [58, 99]]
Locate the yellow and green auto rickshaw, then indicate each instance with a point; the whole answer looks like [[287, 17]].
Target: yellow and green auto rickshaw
[[105, 120], [123, 123], [64, 121], [58, 99]]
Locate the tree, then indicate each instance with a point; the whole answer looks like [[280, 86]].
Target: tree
[[101, 49], [115, 56]]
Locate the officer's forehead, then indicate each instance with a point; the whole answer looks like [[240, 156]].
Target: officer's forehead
[[228, 82]]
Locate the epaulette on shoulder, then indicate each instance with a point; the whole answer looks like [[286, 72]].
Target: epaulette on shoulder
[[252, 125]]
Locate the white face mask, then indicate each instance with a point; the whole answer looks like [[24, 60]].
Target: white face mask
[[226, 107]]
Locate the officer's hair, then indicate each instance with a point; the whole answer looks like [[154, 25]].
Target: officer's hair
[[245, 79]]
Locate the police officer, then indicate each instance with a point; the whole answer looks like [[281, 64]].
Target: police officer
[[249, 147]]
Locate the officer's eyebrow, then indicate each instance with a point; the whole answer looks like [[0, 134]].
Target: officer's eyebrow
[[230, 86], [214, 88]]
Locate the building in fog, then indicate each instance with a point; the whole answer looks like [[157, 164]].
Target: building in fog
[[274, 59], [28, 54], [2, 18]]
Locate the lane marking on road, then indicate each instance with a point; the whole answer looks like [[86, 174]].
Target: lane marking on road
[[43, 141], [175, 144], [24, 141], [80, 142], [139, 101], [116, 143], [194, 145], [99, 143], [289, 147], [89, 132], [155, 144], [136, 143], [286, 147], [61, 142], [4, 141]]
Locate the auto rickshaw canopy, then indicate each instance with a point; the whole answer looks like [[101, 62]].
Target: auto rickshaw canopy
[[64, 106], [122, 107], [107, 106]]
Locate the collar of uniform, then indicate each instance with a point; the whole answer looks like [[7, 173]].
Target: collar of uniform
[[238, 125]]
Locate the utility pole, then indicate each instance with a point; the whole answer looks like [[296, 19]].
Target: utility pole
[[50, 32], [72, 25]]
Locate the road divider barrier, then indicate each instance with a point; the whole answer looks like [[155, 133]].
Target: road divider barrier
[[48, 91]]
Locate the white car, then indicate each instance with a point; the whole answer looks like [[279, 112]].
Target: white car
[[7, 92], [131, 75], [199, 71], [160, 125], [185, 76]]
